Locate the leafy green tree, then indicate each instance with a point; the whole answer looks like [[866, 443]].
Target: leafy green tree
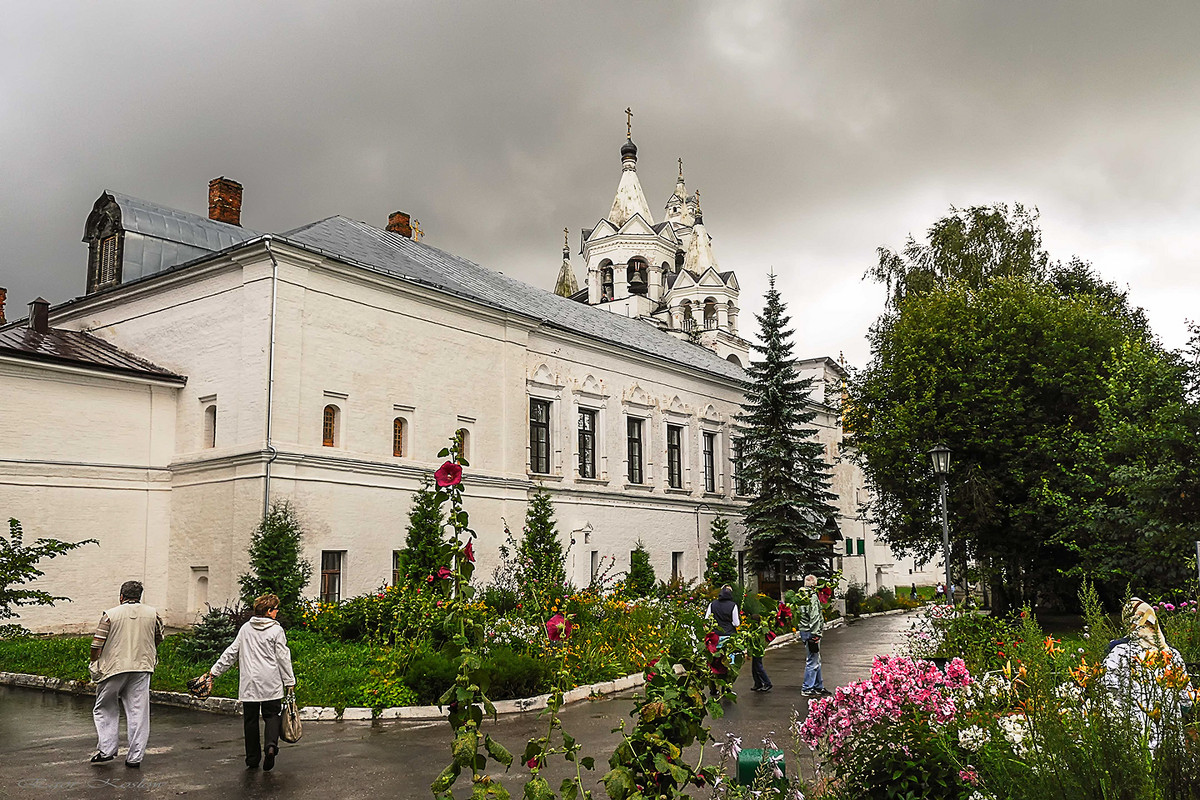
[[1009, 360], [720, 567], [19, 566], [277, 565], [423, 552], [783, 463], [541, 554], [641, 579]]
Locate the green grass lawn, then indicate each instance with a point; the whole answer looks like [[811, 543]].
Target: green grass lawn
[[327, 674]]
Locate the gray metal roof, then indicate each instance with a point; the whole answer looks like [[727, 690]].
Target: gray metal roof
[[157, 237], [58, 345], [402, 257]]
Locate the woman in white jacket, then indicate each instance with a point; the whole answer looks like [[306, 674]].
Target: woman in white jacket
[[265, 674]]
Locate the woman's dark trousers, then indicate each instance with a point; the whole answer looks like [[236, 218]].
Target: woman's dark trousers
[[761, 681], [273, 724]]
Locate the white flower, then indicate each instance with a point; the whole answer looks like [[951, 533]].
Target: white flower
[[972, 738]]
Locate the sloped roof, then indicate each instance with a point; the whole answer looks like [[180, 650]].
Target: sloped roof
[[164, 237], [396, 255], [60, 346]]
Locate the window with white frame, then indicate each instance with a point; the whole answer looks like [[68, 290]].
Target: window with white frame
[[634, 447], [675, 456], [539, 436], [587, 442], [710, 460]]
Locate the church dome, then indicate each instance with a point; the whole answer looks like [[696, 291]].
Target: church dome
[[629, 149]]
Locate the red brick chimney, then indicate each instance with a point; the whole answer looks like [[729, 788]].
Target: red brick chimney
[[3, 298], [39, 315], [225, 201], [398, 222]]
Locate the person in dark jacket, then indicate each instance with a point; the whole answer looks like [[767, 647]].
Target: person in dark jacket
[[725, 612]]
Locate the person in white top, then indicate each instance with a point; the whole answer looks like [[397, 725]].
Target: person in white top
[[264, 675]]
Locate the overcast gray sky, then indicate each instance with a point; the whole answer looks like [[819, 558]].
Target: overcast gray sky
[[816, 132]]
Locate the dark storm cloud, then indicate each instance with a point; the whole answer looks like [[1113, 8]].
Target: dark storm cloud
[[816, 132]]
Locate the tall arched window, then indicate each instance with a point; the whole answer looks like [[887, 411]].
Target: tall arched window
[[329, 426], [210, 426], [689, 321], [464, 443], [399, 435], [710, 313]]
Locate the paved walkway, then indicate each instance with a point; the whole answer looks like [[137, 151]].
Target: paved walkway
[[46, 739]]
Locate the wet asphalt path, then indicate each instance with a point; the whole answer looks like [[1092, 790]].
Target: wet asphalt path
[[46, 739]]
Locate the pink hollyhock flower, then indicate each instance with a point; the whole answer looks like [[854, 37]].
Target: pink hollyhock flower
[[558, 628], [469, 552], [824, 593], [444, 573], [651, 675], [531, 763], [711, 640], [717, 667], [448, 474]]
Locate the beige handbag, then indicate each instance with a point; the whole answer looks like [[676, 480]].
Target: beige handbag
[[292, 729]]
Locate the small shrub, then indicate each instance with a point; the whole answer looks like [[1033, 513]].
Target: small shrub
[[640, 580], [215, 631], [854, 599], [277, 565], [516, 675], [430, 674]]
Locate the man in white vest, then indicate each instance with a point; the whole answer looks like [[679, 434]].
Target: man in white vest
[[124, 654]]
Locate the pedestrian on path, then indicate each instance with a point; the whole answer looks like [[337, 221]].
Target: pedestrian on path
[[123, 657], [757, 647], [725, 611], [810, 624], [264, 675]]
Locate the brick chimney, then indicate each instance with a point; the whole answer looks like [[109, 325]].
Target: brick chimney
[[39, 315], [399, 222], [3, 298], [225, 201]]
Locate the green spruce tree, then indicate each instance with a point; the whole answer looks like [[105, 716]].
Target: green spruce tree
[[783, 463], [211, 635], [423, 552], [641, 578], [540, 554], [720, 567], [277, 565]]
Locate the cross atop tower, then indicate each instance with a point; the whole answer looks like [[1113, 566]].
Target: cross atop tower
[[566, 241], [628, 122], [680, 169]]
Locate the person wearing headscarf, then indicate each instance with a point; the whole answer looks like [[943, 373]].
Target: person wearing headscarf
[[1145, 675]]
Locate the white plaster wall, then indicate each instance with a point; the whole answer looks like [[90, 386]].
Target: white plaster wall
[[84, 456]]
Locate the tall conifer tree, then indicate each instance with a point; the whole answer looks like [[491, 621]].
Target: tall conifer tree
[[783, 463], [720, 567], [541, 553], [422, 554]]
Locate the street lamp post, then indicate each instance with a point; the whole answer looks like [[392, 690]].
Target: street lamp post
[[940, 456]]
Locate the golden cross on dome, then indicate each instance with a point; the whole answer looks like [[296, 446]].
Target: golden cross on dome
[[628, 123], [681, 169], [566, 241], [417, 232]]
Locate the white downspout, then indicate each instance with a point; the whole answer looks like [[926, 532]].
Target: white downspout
[[272, 452]]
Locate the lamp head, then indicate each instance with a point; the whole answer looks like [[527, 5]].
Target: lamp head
[[940, 456]]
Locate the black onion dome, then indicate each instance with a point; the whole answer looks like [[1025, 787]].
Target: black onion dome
[[629, 149]]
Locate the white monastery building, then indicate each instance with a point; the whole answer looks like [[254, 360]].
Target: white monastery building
[[210, 369]]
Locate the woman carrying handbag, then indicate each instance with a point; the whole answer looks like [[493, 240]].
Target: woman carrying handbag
[[265, 677]]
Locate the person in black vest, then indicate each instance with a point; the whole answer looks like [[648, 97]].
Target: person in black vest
[[725, 611]]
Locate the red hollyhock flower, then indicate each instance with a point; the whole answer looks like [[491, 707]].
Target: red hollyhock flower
[[448, 474], [651, 674], [770, 636], [469, 552], [444, 573], [558, 628], [824, 593], [718, 667], [429, 579], [531, 763], [710, 641]]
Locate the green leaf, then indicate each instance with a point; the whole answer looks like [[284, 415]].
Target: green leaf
[[587, 762], [538, 789], [619, 783], [569, 790], [497, 751], [446, 779]]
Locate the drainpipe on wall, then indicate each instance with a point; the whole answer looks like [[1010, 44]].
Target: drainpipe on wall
[[272, 452]]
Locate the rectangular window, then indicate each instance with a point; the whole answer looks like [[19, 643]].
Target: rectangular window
[[587, 443], [539, 436], [396, 567], [849, 547], [675, 456], [862, 547], [737, 447], [710, 461], [331, 575], [676, 566], [633, 429]]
